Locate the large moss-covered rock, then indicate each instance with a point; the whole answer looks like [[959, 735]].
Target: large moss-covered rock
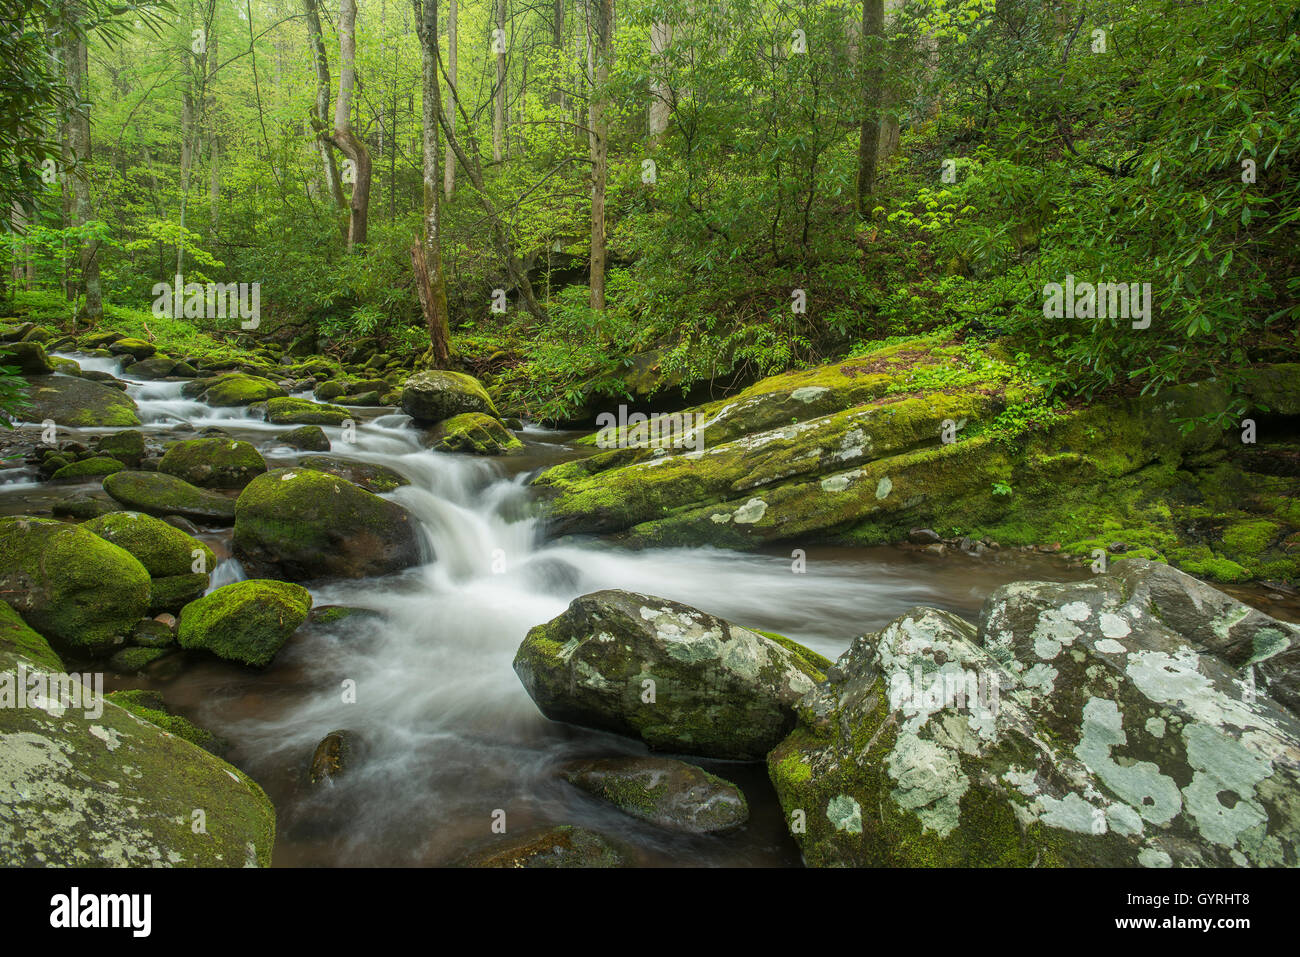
[[432, 396], [301, 524], [160, 494], [135, 348], [127, 446], [69, 584], [234, 389], [154, 367], [290, 411], [114, 790], [213, 462], [247, 622], [369, 475], [171, 593], [669, 793], [96, 466], [78, 403], [308, 438], [18, 639], [161, 548], [475, 433], [1073, 727], [29, 358], [673, 676]]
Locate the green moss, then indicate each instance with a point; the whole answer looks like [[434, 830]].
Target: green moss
[[18, 639], [475, 433], [162, 549], [149, 705], [92, 467], [248, 621], [289, 411], [240, 389], [1250, 538], [213, 462], [131, 660], [819, 662], [160, 494]]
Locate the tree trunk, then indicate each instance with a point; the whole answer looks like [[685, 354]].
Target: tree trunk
[[320, 121], [453, 43], [78, 150], [873, 37], [661, 35], [431, 283], [348, 142], [599, 124], [499, 99]]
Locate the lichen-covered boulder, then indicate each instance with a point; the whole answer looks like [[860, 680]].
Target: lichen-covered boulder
[[669, 793], [248, 621], [290, 411], [432, 396], [1073, 727], [213, 462], [308, 438], [369, 475], [673, 676], [69, 584], [300, 524], [110, 789], [235, 388], [475, 433], [162, 549], [564, 846], [78, 403], [158, 493]]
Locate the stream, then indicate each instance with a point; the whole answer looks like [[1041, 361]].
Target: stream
[[450, 736]]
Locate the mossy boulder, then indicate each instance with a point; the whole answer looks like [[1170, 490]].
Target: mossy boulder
[[300, 524], [158, 493], [171, 593], [136, 348], [127, 446], [150, 706], [213, 462], [115, 790], [307, 438], [18, 639], [668, 793], [133, 660], [29, 357], [236, 389], [154, 367], [673, 676], [564, 846], [94, 467], [473, 432], [290, 411], [69, 584], [1073, 727], [161, 548], [370, 476], [248, 621], [74, 402], [433, 396]]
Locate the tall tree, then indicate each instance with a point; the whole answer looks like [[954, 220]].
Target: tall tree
[[347, 141], [321, 119], [869, 133], [499, 92], [598, 122], [453, 45], [426, 253], [77, 126], [661, 35]]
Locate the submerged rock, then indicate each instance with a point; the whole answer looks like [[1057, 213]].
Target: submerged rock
[[248, 621], [669, 793], [160, 494], [301, 524], [475, 433], [334, 756], [69, 584], [1075, 727], [432, 396], [213, 463], [114, 790], [673, 676], [557, 847]]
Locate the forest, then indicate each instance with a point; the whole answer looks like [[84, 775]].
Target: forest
[[602, 433]]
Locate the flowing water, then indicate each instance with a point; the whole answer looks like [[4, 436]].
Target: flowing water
[[450, 737]]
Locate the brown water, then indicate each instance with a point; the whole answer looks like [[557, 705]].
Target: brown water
[[450, 736]]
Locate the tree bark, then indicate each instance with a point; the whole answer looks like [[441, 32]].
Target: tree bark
[[499, 98], [426, 253], [78, 146], [599, 124], [321, 119], [869, 134], [453, 44], [661, 35]]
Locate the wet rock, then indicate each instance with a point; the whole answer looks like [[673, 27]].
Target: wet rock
[[136, 348], [557, 847], [371, 477], [671, 794], [150, 706], [133, 660], [111, 789], [126, 446], [84, 506], [234, 389], [1076, 726], [300, 524], [160, 494], [247, 622], [923, 536], [74, 402], [162, 549], [94, 467], [154, 367], [213, 462], [151, 633], [171, 593], [666, 673], [475, 433], [432, 396], [334, 757], [69, 584], [308, 438], [29, 357], [289, 411], [17, 639]]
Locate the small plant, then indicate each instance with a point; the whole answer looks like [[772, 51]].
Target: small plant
[[1002, 489]]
